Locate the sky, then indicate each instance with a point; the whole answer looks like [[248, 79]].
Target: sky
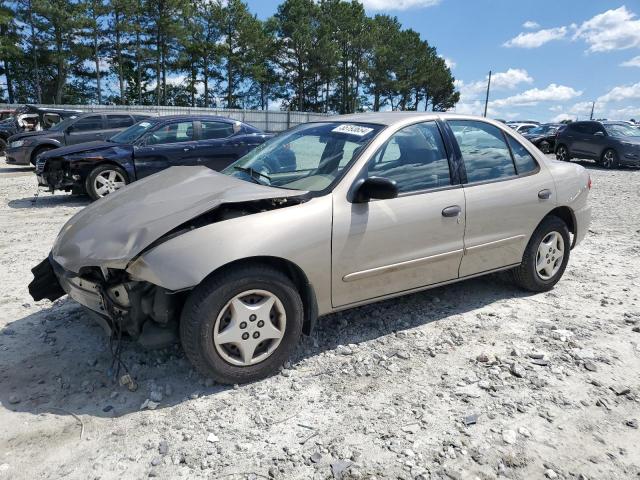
[[550, 58]]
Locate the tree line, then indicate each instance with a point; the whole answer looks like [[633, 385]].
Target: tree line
[[325, 56]]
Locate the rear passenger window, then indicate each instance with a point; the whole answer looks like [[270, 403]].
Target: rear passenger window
[[119, 121], [522, 158], [414, 157], [213, 130], [484, 151]]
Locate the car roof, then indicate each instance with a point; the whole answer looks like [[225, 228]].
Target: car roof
[[196, 117]]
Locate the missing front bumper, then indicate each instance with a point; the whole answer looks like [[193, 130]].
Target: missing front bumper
[[45, 283]]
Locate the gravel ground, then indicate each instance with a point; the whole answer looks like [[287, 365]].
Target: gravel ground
[[475, 380]]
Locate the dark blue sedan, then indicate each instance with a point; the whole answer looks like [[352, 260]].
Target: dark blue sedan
[[149, 146]]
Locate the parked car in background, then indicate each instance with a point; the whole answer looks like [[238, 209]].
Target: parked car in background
[[4, 114], [544, 136], [522, 127], [610, 144], [149, 146], [25, 147], [29, 118], [326, 216]]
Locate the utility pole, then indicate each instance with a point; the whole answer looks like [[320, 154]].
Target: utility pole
[[592, 107], [486, 100]]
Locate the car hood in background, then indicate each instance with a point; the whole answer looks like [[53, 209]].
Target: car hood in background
[[92, 148], [41, 133], [115, 229]]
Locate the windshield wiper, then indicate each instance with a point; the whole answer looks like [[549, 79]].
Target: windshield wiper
[[254, 174]]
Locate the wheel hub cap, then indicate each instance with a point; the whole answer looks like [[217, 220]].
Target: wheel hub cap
[[550, 255], [249, 328], [108, 182]]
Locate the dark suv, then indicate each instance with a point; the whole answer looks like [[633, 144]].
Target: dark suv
[[30, 118], [87, 127], [610, 144]]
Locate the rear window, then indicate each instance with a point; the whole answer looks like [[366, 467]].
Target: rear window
[[119, 121]]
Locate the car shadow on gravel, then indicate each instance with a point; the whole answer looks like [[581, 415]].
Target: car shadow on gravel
[[49, 201], [16, 169], [58, 360]]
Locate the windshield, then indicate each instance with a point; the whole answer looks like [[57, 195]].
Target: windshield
[[621, 130], [133, 133], [542, 130], [309, 157]]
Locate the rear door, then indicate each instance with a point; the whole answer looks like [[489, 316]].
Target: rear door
[[116, 122], [506, 192], [169, 145], [218, 145], [385, 247]]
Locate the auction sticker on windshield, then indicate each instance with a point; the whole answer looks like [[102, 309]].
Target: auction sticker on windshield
[[353, 130]]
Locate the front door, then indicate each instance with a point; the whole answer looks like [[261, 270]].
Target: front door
[[169, 145], [85, 129], [506, 196], [389, 246]]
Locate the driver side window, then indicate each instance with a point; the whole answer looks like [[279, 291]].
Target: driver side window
[[414, 157], [171, 133]]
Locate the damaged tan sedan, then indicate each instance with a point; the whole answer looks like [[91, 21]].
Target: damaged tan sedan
[[324, 217]]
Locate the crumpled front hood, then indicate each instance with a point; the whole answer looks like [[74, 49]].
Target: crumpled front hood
[[113, 230], [88, 147]]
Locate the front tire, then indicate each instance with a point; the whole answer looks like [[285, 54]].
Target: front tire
[[3, 146], [562, 153], [545, 147], [38, 152], [105, 179], [609, 159], [242, 326], [546, 256]]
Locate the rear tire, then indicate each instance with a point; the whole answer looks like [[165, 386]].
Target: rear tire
[[219, 340], [541, 268], [104, 179], [3, 146], [562, 153], [609, 159]]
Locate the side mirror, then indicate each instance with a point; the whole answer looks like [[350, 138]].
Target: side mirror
[[237, 126], [69, 129], [598, 134], [373, 188]]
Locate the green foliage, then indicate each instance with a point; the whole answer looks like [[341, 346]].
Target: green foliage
[[323, 56]]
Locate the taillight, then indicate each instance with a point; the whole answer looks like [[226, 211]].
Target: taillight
[[589, 183]]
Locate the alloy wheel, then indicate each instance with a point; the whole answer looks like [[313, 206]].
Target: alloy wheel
[[107, 182], [549, 256], [608, 159], [562, 154], [249, 328], [545, 147]]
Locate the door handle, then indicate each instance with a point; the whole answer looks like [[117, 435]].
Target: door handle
[[186, 149], [544, 194], [452, 211]]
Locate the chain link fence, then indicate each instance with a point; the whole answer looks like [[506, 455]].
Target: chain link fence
[[266, 120]]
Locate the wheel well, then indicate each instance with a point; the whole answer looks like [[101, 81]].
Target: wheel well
[[295, 274], [39, 150], [566, 215]]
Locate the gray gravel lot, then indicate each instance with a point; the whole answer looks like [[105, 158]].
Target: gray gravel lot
[[475, 380]]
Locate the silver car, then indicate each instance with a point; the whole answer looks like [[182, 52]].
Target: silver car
[[324, 217]]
